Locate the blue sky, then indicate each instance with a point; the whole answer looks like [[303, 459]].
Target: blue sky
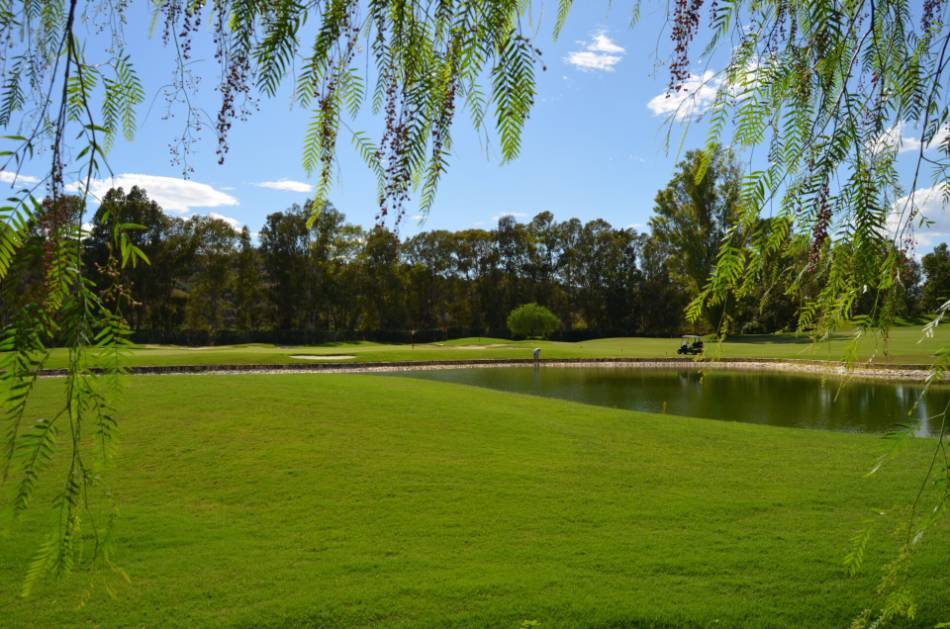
[[594, 147]]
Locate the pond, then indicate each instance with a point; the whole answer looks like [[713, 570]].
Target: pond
[[773, 398]]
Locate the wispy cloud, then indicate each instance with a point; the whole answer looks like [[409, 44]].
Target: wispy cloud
[[931, 223], [694, 97], [235, 224], [288, 185], [7, 176], [171, 193], [600, 54]]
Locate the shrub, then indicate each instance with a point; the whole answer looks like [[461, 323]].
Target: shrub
[[532, 321]]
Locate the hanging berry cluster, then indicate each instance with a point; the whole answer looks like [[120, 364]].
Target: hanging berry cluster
[[819, 232], [235, 83], [685, 26]]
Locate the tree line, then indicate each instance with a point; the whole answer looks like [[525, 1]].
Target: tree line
[[205, 282]]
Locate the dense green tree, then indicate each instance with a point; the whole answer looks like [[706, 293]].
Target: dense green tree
[[212, 282], [284, 246], [543, 253], [476, 263], [661, 301], [692, 214], [153, 283], [936, 267], [433, 285], [909, 300], [343, 308], [383, 286], [532, 321], [512, 244], [569, 269], [322, 266], [248, 287], [608, 278]]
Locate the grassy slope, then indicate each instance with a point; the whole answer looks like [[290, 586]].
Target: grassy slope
[[902, 348], [356, 500]]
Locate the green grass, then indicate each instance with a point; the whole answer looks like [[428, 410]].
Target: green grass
[[902, 347], [361, 500]]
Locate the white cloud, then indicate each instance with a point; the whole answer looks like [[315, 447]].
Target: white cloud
[[601, 54], [233, 222], [288, 185], [887, 140], [698, 92], [928, 205], [585, 60], [694, 97], [9, 177], [602, 43], [904, 142], [171, 193]]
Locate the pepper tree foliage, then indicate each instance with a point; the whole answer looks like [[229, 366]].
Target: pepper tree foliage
[[817, 83], [823, 89]]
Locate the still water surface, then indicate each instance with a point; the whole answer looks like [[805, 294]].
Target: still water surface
[[756, 397]]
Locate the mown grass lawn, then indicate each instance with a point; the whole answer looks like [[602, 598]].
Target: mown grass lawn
[[360, 500], [903, 346]]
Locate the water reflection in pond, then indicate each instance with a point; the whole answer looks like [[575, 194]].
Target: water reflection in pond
[[757, 397]]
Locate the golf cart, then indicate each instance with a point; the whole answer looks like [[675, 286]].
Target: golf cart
[[692, 344]]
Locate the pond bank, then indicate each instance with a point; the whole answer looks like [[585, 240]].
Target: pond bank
[[836, 369]]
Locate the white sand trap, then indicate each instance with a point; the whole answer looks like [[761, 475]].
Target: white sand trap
[[178, 347], [322, 356]]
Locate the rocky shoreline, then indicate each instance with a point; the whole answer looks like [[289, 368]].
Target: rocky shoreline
[[834, 369]]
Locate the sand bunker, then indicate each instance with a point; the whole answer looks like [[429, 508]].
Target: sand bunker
[[177, 347], [322, 356]]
